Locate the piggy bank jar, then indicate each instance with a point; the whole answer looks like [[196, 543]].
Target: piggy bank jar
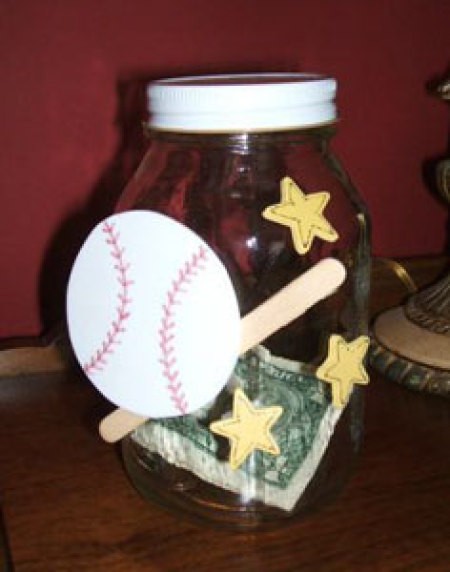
[[245, 162]]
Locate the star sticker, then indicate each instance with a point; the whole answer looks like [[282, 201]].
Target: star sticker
[[302, 213], [344, 367], [248, 429]]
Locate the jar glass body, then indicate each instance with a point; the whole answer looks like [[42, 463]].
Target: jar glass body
[[218, 185]]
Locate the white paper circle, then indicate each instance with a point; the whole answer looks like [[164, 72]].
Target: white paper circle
[[152, 315]]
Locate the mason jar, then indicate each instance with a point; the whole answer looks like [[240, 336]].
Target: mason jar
[[222, 150]]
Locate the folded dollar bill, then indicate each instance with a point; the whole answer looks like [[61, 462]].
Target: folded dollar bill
[[302, 433]]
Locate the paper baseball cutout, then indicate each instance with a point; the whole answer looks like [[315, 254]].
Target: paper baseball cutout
[[152, 315]]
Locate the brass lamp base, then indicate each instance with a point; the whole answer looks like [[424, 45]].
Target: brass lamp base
[[411, 343], [411, 355]]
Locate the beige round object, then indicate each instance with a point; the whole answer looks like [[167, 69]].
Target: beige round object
[[393, 330]]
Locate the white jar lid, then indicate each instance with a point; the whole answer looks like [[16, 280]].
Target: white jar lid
[[250, 102]]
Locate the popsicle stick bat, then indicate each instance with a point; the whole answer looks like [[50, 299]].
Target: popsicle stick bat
[[289, 303]]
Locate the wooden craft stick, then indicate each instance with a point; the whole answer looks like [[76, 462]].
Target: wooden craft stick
[[289, 303], [119, 423]]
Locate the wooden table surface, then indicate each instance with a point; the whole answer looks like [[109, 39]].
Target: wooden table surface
[[68, 506]]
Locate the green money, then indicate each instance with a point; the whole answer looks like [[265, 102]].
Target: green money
[[302, 432]]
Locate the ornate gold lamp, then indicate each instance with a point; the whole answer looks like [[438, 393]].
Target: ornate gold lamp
[[411, 343]]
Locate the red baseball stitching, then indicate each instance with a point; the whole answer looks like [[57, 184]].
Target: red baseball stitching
[[99, 359], [168, 327]]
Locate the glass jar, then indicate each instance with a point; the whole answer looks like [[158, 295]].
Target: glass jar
[[220, 148]]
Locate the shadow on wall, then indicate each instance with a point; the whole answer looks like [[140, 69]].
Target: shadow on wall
[[73, 230]]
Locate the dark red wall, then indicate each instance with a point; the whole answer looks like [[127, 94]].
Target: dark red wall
[[71, 73]]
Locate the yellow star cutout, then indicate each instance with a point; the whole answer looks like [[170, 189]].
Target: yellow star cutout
[[302, 213], [248, 429], [344, 367]]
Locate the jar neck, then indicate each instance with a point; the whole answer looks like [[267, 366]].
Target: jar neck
[[246, 142]]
